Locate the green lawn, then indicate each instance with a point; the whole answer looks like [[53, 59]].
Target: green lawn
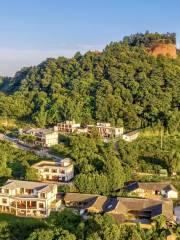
[[11, 218]]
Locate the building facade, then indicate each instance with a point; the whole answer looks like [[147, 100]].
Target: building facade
[[67, 127], [44, 137], [28, 199], [130, 136], [106, 130], [55, 171]]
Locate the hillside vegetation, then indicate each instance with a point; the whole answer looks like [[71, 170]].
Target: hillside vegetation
[[149, 39], [122, 85]]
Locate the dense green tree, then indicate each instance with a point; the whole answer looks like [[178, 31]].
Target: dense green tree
[[41, 234], [5, 233], [4, 170], [31, 174], [121, 85]]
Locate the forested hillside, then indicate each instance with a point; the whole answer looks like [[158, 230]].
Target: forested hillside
[[123, 85]]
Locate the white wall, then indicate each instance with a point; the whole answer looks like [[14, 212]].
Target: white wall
[[172, 194]]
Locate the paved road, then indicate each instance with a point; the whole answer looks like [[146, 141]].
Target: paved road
[[41, 153]]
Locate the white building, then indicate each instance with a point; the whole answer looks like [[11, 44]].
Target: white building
[[44, 137], [130, 136], [28, 199], [106, 130], [55, 171], [169, 192]]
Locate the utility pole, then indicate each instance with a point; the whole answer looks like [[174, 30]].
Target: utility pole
[[161, 136]]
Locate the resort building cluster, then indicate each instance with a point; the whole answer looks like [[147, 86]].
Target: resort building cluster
[[105, 130], [145, 201], [49, 137], [39, 199]]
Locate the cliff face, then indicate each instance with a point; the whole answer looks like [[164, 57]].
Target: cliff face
[[168, 50]]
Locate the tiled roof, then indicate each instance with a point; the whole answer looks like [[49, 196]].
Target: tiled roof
[[79, 197], [155, 207], [98, 203]]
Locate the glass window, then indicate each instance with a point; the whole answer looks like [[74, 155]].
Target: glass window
[[6, 191], [4, 200]]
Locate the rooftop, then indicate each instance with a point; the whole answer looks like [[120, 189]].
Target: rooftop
[[39, 186], [66, 162], [129, 134], [78, 197], [154, 186], [123, 206], [37, 130]]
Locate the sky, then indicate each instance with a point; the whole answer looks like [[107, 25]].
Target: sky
[[33, 30]]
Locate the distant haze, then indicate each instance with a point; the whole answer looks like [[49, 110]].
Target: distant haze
[[12, 60]]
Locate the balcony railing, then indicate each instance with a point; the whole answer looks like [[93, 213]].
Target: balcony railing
[[23, 206]]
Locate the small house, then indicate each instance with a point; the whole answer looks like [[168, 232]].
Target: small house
[[130, 136], [152, 190]]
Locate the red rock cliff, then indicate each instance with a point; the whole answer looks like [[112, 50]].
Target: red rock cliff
[[168, 50]]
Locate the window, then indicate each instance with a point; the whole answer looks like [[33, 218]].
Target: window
[[21, 190], [41, 205], [42, 195], [54, 170], [6, 191], [4, 200], [28, 191], [46, 170]]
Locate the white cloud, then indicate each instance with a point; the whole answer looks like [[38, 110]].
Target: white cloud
[[11, 60]]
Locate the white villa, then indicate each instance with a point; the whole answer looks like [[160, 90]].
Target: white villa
[[55, 171], [28, 199]]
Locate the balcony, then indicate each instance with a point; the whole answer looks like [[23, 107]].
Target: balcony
[[24, 205]]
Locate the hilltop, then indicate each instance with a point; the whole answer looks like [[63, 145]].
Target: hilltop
[[123, 85], [155, 43]]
